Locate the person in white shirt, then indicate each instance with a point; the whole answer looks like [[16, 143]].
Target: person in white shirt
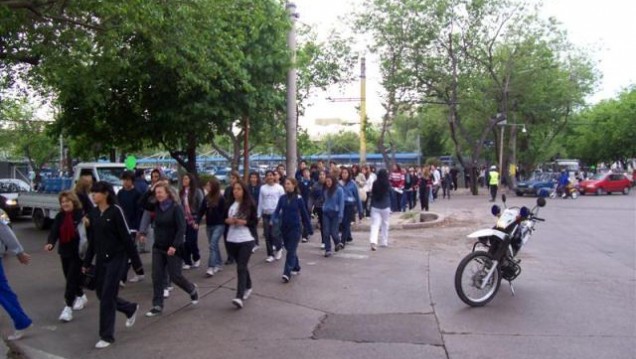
[[270, 193], [437, 181], [368, 185]]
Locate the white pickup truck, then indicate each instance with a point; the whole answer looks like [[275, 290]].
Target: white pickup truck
[[43, 207]]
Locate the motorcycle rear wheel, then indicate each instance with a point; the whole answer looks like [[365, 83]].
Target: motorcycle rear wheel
[[469, 276]]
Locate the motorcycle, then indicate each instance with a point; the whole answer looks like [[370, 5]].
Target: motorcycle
[[570, 191], [494, 255]]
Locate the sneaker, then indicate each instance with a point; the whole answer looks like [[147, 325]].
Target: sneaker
[[186, 267], [339, 246], [285, 278], [328, 254], [255, 248], [269, 259], [279, 254], [80, 302], [238, 303], [373, 248], [155, 311], [170, 288], [166, 293], [67, 314], [137, 278], [247, 294], [322, 246], [122, 284], [196, 264], [131, 320], [217, 269], [209, 272], [304, 240], [229, 262], [295, 272], [384, 245], [194, 296], [102, 344]]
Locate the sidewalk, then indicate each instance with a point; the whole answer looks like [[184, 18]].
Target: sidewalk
[[357, 304]]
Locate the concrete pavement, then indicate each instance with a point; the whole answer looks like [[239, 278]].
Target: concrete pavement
[[397, 302]]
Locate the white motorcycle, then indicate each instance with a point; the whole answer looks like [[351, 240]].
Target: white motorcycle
[[493, 257]]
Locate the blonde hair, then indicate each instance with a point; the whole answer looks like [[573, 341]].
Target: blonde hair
[[83, 185], [71, 196]]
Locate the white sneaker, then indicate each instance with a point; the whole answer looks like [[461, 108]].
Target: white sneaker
[[18, 334], [80, 302], [217, 269], [67, 314], [102, 344], [186, 266], [322, 246], [209, 272], [196, 264], [131, 321], [166, 293], [122, 284], [279, 254], [170, 288], [269, 259], [237, 302], [255, 248], [247, 294], [137, 278]]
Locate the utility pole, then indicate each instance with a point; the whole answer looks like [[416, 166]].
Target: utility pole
[[363, 111], [291, 125]]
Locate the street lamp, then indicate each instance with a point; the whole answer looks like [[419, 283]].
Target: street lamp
[[503, 124]]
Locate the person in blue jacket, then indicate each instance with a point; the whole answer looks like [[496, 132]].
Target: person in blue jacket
[[291, 213], [332, 214], [351, 203]]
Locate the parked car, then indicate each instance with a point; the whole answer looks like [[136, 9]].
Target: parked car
[[534, 185], [603, 183], [222, 174], [9, 192]]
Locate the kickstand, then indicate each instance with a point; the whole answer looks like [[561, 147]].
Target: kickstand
[[512, 288]]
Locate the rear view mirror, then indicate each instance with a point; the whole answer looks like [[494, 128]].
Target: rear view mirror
[[541, 202], [495, 210]]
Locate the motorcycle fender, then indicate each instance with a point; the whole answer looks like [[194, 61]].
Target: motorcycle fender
[[487, 233]]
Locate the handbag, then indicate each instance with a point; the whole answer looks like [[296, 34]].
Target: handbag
[[83, 238]]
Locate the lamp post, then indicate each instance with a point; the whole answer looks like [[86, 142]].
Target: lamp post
[[503, 124]]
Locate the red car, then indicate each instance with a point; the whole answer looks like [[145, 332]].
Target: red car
[[606, 183]]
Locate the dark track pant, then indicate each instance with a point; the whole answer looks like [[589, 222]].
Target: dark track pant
[[162, 263], [191, 249], [108, 275], [72, 268]]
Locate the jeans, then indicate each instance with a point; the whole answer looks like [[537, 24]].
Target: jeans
[[425, 193], [349, 213], [9, 302], [396, 200], [191, 249], [242, 253], [291, 238], [214, 235], [108, 274], [380, 225], [271, 240], [72, 268], [330, 222], [160, 262]]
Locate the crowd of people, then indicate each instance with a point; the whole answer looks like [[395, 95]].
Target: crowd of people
[[100, 234]]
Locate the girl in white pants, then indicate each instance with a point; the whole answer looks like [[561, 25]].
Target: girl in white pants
[[380, 209]]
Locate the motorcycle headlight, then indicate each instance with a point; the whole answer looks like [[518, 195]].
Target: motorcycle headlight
[[11, 202]]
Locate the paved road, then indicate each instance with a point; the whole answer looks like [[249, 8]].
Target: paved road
[[576, 297]]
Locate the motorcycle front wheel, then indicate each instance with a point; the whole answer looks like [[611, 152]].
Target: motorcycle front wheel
[[470, 275]]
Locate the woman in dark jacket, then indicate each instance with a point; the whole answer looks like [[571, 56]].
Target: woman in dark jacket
[[109, 242], [213, 208], [65, 232], [255, 190], [170, 230], [191, 197], [380, 209]]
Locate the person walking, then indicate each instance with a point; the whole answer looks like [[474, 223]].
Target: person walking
[[351, 204], [447, 182], [291, 212], [170, 227], [493, 182], [332, 214], [397, 185], [254, 186], [228, 195], [426, 185], [191, 197], [109, 242], [316, 200], [241, 221], [213, 208], [129, 199], [269, 196], [8, 299], [65, 231], [380, 209]]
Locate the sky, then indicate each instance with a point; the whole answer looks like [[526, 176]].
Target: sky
[[607, 27]]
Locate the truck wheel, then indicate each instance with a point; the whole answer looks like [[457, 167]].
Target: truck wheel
[[39, 220]]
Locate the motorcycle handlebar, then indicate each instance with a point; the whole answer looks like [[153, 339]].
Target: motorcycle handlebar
[[538, 219]]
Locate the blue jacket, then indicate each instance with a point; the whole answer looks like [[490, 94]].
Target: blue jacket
[[351, 195], [335, 202], [290, 211]]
